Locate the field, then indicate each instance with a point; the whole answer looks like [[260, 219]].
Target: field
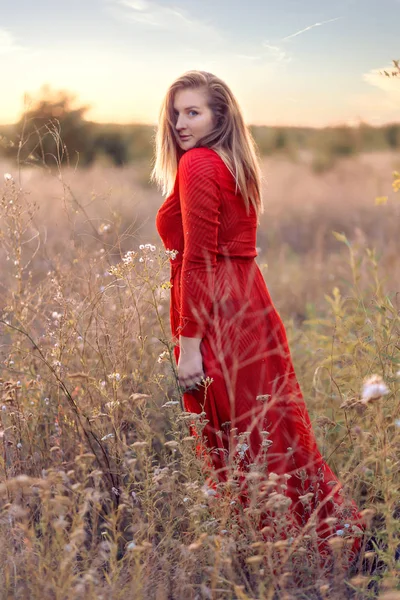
[[101, 493]]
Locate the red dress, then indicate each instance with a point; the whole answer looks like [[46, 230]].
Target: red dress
[[219, 294]]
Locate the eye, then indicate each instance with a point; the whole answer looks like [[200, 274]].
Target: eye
[[194, 111]]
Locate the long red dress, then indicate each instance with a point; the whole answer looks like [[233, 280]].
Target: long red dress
[[219, 294]]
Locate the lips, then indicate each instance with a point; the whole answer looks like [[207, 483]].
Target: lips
[[184, 137]]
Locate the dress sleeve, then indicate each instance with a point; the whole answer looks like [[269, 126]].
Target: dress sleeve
[[200, 200]]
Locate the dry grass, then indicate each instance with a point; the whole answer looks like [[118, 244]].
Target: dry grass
[[102, 495]]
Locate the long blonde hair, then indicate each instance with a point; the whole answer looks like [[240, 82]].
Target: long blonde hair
[[231, 139]]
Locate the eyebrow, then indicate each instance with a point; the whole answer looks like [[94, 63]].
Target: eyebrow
[[188, 107]]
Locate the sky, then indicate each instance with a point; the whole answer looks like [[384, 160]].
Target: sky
[[288, 62]]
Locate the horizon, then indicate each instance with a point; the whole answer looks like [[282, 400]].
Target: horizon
[[292, 64]]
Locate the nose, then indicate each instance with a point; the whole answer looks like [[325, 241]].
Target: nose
[[180, 123]]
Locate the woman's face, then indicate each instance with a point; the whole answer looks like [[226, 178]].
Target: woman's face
[[194, 119]]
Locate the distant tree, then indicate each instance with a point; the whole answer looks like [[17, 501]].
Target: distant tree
[[52, 131]]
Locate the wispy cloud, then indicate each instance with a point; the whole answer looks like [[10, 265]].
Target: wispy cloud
[[381, 104], [277, 53], [389, 85], [165, 17], [201, 40], [10, 45], [310, 27]]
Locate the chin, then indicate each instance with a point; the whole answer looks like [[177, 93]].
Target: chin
[[188, 144]]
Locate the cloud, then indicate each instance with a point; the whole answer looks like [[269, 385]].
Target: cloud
[[9, 44], [381, 101], [310, 27], [277, 53], [390, 86], [164, 17]]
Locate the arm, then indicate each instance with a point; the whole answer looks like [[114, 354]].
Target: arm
[[200, 206]]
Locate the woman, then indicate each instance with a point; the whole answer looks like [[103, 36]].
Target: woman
[[224, 323]]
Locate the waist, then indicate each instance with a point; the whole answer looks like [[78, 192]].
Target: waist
[[220, 258]]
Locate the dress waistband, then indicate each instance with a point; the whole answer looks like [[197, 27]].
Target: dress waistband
[[220, 258]]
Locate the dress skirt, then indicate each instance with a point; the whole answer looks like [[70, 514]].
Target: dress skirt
[[256, 416]]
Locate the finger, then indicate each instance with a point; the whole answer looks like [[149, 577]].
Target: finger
[[192, 379]]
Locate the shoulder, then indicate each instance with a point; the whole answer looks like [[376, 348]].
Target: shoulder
[[202, 159]]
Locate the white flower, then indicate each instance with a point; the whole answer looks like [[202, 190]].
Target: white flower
[[242, 449], [8, 177], [374, 388], [131, 546], [162, 356], [170, 403], [104, 228], [129, 257], [172, 253], [208, 491], [115, 376]]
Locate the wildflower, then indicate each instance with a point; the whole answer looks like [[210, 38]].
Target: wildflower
[[263, 397], [19, 445], [170, 403], [129, 257], [56, 316], [8, 177], [172, 253], [115, 491], [242, 449], [131, 545], [114, 376], [162, 356], [104, 228], [278, 502], [374, 388], [138, 444], [208, 491], [171, 444], [306, 499], [350, 403], [323, 421]]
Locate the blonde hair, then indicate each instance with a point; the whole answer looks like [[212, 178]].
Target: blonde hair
[[231, 138]]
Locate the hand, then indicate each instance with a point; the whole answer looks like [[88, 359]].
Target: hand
[[190, 370]]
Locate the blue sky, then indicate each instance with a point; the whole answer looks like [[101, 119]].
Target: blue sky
[[289, 62]]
